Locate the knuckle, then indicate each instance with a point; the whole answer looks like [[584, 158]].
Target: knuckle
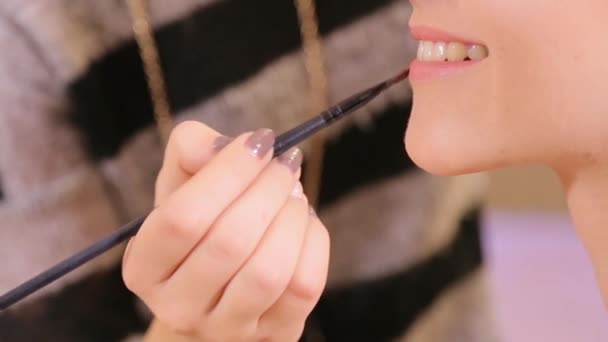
[[181, 222], [306, 288], [268, 279], [225, 247]]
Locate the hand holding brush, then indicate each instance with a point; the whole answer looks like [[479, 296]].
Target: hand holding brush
[[231, 248]]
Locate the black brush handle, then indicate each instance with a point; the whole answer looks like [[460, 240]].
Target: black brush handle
[[71, 263], [283, 143]]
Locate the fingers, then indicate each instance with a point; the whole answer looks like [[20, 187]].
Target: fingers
[[191, 145], [230, 252], [234, 236], [178, 224], [265, 276], [284, 321]]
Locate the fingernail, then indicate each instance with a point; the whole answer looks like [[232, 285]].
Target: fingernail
[[260, 142], [298, 191], [220, 142], [312, 212], [292, 159]]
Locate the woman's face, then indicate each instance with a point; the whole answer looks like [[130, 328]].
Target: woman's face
[[540, 95]]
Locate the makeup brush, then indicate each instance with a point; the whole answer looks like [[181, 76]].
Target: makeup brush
[[283, 143]]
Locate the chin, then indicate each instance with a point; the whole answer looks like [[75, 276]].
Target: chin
[[441, 157]]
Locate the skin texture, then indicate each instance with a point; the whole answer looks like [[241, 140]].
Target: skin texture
[[217, 259], [232, 251], [539, 98]]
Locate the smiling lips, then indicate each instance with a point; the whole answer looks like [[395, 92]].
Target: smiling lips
[[440, 54]]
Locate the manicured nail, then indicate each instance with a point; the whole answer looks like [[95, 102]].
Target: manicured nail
[[221, 142], [292, 159], [260, 142]]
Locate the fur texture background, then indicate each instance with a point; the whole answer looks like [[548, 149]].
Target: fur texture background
[[60, 196]]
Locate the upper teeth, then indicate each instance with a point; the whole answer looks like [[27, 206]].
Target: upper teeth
[[453, 52]]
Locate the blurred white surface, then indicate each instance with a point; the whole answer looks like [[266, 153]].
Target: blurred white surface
[[542, 279]]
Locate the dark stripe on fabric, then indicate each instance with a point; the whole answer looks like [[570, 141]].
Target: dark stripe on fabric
[[98, 308], [384, 309], [213, 48], [361, 156]]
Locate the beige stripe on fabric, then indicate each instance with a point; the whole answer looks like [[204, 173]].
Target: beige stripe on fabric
[[277, 97], [387, 227], [45, 228], [73, 33], [463, 314]]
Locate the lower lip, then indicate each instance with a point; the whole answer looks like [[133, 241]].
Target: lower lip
[[423, 70]]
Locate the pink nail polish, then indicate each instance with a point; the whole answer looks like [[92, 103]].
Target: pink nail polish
[[292, 159], [260, 142]]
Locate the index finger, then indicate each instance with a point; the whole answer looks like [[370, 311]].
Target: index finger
[[191, 145]]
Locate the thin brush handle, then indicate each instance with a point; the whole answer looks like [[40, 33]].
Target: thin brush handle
[[71, 263], [283, 143], [329, 116]]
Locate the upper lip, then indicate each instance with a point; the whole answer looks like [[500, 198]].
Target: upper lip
[[428, 33]]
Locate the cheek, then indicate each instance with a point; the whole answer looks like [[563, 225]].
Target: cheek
[[549, 80]]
